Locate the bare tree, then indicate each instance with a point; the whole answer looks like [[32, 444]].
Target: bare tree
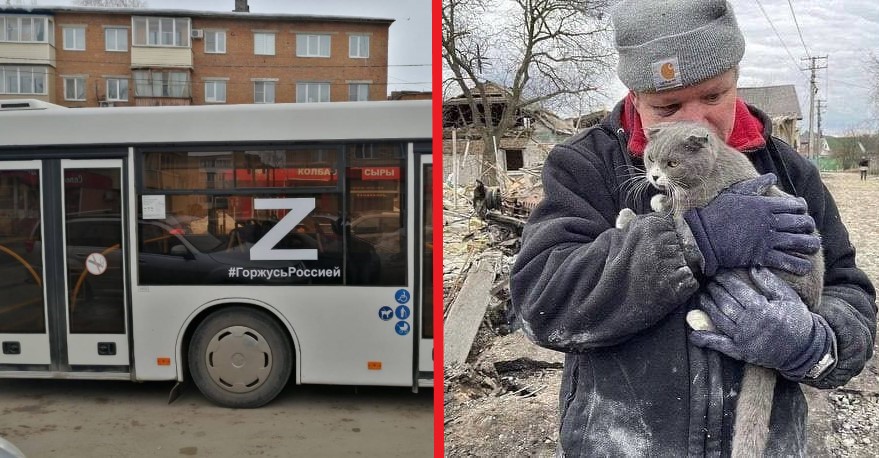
[[112, 3], [548, 53]]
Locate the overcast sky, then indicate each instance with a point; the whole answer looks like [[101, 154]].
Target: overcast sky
[[846, 31], [409, 64]]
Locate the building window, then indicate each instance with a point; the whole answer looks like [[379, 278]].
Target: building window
[[263, 92], [358, 46], [161, 84], [116, 39], [515, 161], [312, 92], [215, 41], [23, 29], [74, 88], [160, 31], [117, 89], [22, 80], [312, 45], [264, 44], [74, 38], [358, 92], [215, 91]]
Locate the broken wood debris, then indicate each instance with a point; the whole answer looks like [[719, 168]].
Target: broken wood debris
[[466, 313]]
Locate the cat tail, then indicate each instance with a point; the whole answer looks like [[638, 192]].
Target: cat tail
[[751, 428]]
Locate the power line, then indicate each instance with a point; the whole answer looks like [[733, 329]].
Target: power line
[[778, 35], [798, 28]]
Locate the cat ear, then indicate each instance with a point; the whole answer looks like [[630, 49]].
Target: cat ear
[[650, 132], [697, 141]]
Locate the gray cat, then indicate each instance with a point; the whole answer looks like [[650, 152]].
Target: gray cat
[[691, 165]]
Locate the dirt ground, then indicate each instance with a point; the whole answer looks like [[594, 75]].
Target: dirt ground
[[75, 418], [504, 401]]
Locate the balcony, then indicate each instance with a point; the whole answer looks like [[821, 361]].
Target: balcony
[[161, 57], [27, 53]]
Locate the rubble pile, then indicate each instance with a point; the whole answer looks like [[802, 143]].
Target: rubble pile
[[855, 424]]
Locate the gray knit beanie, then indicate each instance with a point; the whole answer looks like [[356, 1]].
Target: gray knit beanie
[[667, 44]]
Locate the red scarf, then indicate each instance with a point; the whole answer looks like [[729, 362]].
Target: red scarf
[[747, 133]]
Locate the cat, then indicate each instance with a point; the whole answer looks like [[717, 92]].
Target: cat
[[691, 166]]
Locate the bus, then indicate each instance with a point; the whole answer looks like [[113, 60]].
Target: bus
[[237, 247]]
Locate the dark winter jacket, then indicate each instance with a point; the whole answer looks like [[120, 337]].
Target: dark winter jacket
[[615, 300]]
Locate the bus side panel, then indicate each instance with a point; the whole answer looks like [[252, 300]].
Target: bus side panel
[[350, 338]]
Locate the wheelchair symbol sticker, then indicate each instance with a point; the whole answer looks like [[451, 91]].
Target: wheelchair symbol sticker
[[402, 296], [385, 313], [402, 328], [402, 312]]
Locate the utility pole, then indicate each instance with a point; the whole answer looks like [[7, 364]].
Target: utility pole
[[818, 111], [813, 90]]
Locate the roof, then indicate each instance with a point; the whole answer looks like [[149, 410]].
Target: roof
[[49, 10], [776, 101], [493, 92], [844, 144], [44, 125]]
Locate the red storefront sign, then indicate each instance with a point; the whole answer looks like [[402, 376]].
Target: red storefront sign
[[311, 173], [279, 177], [380, 173]]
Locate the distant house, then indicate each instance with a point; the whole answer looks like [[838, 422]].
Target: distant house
[[526, 144], [588, 120], [782, 106], [410, 95]]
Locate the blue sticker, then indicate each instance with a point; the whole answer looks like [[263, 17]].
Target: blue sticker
[[402, 312], [402, 296], [385, 313], [402, 328]]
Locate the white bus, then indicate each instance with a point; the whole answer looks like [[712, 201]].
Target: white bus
[[236, 246]]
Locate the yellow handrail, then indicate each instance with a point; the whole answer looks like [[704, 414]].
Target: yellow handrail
[[24, 263]]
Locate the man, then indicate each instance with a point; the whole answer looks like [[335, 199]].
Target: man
[[864, 165], [637, 381]]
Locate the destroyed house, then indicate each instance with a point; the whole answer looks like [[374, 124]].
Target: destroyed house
[[534, 133], [782, 106]]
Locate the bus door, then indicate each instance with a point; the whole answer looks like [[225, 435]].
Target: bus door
[[424, 252], [62, 245]]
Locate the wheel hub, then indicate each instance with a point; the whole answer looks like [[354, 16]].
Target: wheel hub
[[238, 359]]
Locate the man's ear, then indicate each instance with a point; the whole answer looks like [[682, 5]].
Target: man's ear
[[697, 141]]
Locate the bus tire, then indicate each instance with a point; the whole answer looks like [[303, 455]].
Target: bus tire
[[240, 358]]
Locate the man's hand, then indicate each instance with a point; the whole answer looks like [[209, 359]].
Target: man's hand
[[742, 228], [767, 325]]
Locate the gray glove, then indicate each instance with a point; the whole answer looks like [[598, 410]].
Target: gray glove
[[742, 228], [767, 325]]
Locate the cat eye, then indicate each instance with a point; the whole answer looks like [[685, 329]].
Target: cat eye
[[672, 164]]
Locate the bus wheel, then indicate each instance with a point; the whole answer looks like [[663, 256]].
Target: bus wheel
[[240, 358]]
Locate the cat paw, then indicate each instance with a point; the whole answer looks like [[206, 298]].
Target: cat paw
[[624, 217], [659, 203], [699, 321]]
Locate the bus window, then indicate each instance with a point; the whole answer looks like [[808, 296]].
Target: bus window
[[376, 188], [21, 304]]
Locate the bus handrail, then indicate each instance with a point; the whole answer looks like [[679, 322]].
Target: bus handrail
[[23, 262]]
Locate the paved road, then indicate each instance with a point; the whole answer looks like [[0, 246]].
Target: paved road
[[66, 418]]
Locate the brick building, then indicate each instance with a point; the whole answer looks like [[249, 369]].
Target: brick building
[[77, 56]]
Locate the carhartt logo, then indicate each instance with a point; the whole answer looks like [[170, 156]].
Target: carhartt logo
[[666, 74], [667, 71]]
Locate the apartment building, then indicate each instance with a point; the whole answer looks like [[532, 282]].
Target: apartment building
[[86, 57]]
